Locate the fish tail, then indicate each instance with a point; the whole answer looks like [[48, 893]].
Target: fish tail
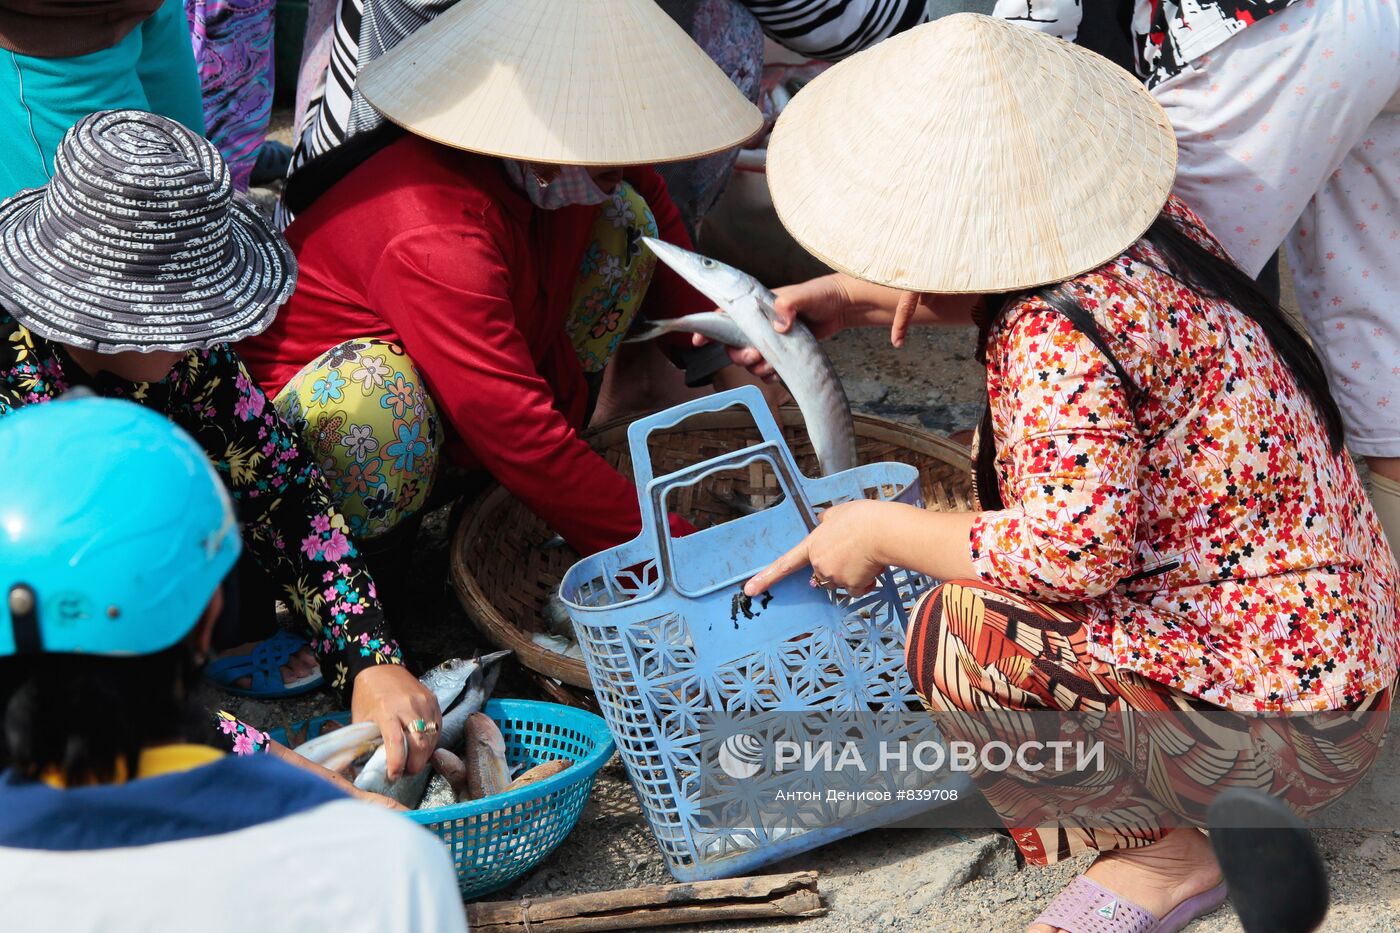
[[648, 331]]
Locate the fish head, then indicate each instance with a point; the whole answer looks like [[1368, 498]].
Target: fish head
[[483, 731], [447, 680], [722, 284]]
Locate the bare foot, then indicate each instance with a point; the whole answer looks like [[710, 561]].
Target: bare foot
[[1157, 877], [298, 666]]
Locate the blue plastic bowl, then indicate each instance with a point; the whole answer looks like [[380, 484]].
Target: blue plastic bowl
[[496, 840]]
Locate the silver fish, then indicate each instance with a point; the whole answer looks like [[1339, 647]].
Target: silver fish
[[439, 793], [447, 680], [340, 746], [747, 321], [478, 679], [448, 785], [556, 617], [559, 645], [346, 761], [333, 744]]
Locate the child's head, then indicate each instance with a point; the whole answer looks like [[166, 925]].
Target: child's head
[[115, 535]]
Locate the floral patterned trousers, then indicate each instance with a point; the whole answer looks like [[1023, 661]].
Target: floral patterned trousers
[[364, 410], [980, 656]]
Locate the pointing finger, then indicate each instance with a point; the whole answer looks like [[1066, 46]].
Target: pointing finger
[[903, 312], [792, 560]]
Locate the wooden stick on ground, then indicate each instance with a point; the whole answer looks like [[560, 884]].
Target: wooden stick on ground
[[761, 897]]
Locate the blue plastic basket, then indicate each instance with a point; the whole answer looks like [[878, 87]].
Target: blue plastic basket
[[668, 653], [496, 840]]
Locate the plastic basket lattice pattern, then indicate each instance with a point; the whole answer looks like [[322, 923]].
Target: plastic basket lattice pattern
[[504, 572], [496, 840], [667, 650]]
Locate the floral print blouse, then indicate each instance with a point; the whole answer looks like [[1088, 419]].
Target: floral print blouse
[[289, 524], [1214, 541]]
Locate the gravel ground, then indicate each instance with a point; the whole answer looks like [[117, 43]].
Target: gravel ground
[[891, 880]]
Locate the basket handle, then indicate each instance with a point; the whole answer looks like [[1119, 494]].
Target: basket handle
[[776, 455], [639, 431]]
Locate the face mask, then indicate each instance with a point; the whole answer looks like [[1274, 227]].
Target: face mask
[[573, 186]]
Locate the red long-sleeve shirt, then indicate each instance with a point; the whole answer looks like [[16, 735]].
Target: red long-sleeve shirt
[[434, 249]]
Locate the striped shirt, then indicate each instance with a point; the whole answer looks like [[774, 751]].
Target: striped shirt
[[834, 29]]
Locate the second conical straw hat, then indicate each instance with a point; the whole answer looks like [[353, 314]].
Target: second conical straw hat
[[573, 82], [971, 155]]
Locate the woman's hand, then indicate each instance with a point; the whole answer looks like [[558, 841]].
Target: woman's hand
[[827, 304], [854, 541], [278, 750], [394, 699], [379, 800], [843, 550], [774, 392]]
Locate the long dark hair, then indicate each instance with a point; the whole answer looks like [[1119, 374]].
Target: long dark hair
[[80, 715], [1186, 260]]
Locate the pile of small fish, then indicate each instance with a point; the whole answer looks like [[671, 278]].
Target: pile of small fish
[[462, 688], [479, 769]]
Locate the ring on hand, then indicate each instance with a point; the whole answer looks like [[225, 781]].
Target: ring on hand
[[419, 725], [817, 581]]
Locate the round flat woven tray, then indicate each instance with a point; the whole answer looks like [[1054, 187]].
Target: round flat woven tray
[[503, 575]]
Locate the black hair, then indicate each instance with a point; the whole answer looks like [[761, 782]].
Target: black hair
[[317, 176], [80, 715], [1184, 259]]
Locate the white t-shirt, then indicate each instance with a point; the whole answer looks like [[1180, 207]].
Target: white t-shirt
[[241, 844]]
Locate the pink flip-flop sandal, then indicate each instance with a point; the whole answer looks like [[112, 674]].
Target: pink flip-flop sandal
[[1085, 906]]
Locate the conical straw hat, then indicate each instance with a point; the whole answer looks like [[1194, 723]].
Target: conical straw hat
[[572, 82], [971, 155]]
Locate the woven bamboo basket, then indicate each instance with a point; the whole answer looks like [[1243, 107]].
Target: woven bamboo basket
[[503, 574]]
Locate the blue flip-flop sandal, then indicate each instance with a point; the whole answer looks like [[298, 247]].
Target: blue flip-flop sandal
[[264, 665]]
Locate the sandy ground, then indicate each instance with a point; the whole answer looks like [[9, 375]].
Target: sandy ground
[[890, 880]]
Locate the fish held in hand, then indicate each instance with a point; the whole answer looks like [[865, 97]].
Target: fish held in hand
[[474, 680], [447, 680], [487, 770], [747, 321], [351, 761], [334, 744]]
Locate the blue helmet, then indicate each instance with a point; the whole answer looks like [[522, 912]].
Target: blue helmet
[[115, 531]]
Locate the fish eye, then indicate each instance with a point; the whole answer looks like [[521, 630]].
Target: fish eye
[[708, 263]]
